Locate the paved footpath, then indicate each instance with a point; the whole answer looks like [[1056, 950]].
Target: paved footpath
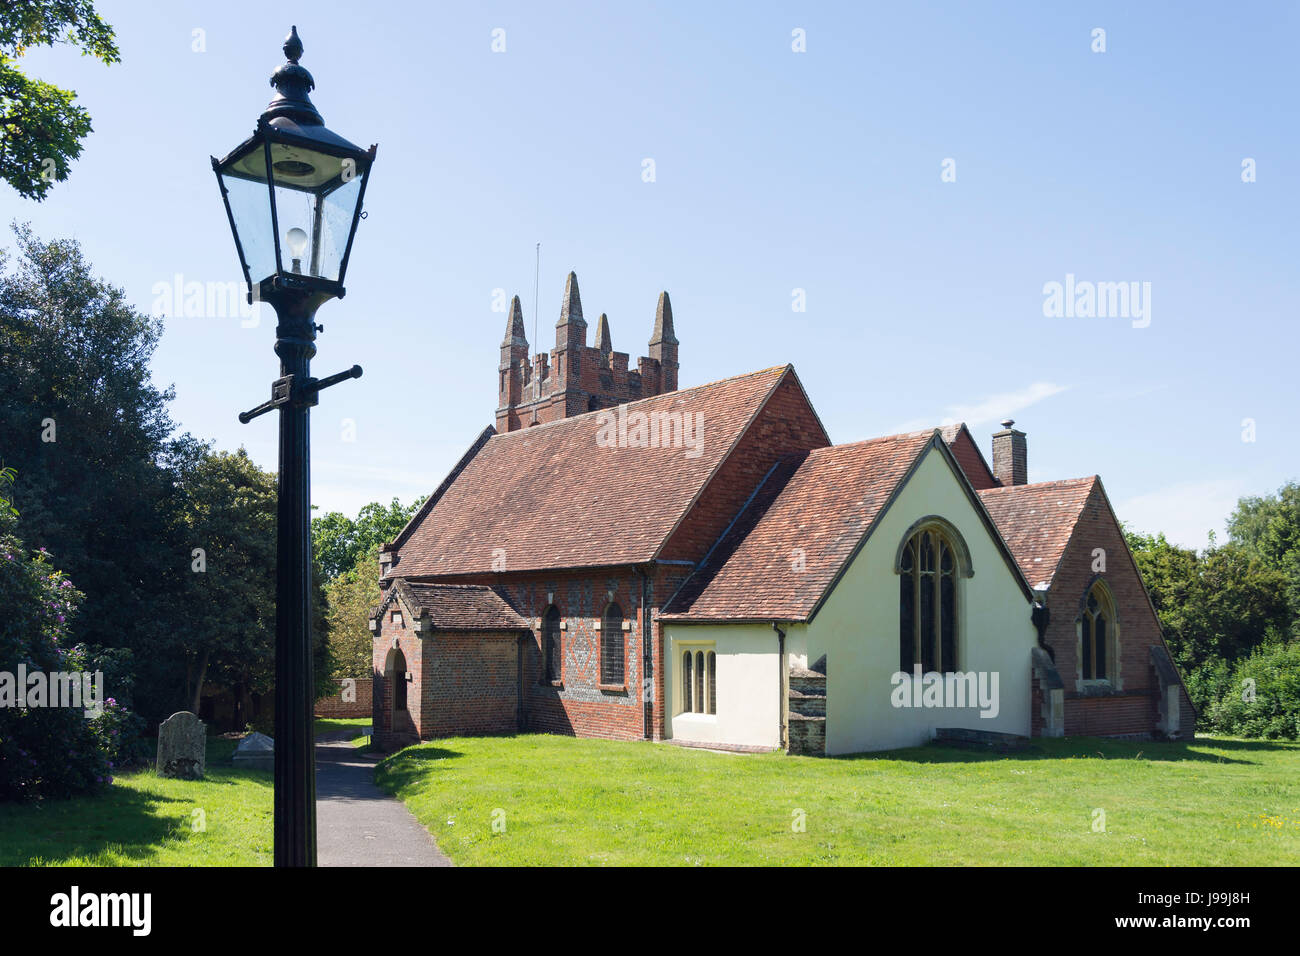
[[357, 824]]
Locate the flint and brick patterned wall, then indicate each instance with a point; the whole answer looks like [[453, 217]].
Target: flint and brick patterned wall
[[581, 705], [1133, 710], [336, 706]]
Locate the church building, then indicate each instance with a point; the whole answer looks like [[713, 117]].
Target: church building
[[620, 558]]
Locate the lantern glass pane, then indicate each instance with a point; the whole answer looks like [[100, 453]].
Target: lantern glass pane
[[336, 225], [315, 217], [250, 207]]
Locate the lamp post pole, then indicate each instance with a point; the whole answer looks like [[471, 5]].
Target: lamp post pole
[[294, 393], [295, 750], [294, 193]]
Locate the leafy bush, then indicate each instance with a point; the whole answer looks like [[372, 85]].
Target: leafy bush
[[1274, 711], [48, 751]]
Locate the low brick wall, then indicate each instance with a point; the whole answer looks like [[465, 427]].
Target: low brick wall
[[360, 702]]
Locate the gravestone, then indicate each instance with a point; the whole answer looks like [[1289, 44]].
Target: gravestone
[[256, 751], [182, 746]]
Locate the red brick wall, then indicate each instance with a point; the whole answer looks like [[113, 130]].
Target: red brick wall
[[1035, 707], [1110, 716], [1134, 709], [972, 463], [572, 395], [387, 730], [477, 681], [468, 683], [787, 423], [336, 706]]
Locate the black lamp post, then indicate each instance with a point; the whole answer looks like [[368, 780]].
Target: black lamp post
[[293, 192]]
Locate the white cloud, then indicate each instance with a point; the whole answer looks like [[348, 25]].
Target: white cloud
[[1000, 406], [1185, 512], [992, 409]]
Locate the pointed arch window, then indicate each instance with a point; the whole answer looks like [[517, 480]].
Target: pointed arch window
[[929, 562], [687, 683], [552, 644], [1097, 635], [611, 646]]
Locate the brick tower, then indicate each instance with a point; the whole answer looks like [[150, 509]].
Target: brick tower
[[574, 378]]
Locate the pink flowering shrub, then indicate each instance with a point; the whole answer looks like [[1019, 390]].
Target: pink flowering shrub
[[47, 751]]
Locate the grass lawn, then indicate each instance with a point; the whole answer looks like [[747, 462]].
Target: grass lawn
[[146, 820], [561, 800], [349, 727]]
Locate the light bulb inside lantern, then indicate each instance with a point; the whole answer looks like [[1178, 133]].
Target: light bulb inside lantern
[[297, 240]]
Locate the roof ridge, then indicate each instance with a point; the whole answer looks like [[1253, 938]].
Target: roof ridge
[[446, 584], [926, 432], [1044, 484]]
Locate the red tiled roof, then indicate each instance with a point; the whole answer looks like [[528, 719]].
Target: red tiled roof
[[552, 496], [457, 607], [791, 542], [1036, 521]]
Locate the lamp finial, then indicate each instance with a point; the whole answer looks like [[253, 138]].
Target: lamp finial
[[293, 45], [292, 84]]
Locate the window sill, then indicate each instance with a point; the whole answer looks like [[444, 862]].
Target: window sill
[[613, 688], [1094, 688], [551, 683], [695, 718]]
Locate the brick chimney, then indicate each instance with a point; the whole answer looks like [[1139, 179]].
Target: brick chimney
[[1010, 455]]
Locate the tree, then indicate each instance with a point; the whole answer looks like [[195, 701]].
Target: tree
[[1262, 696], [352, 595], [1215, 607], [7, 476], [1269, 527], [41, 127], [229, 521], [229, 598], [97, 462], [339, 542]]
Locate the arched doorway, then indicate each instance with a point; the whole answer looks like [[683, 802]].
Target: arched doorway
[[399, 718]]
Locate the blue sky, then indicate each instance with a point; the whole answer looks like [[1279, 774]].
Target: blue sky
[[775, 170]]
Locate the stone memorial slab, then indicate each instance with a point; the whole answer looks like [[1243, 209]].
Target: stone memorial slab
[[256, 751], [182, 746]]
